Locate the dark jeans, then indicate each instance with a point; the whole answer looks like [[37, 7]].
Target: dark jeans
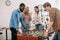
[[57, 36], [39, 26], [13, 33]]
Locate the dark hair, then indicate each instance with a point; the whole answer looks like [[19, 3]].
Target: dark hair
[[22, 4], [46, 4], [36, 7]]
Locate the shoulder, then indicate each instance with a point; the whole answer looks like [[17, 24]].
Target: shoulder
[[54, 9], [16, 11]]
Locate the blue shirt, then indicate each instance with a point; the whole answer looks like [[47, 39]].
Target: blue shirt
[[16, 18]]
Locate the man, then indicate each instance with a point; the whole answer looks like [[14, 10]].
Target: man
[[54, 14], [15, 19]]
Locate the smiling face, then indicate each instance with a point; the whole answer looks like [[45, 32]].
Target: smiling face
[[21, 8], [47, 6], [36, 9]]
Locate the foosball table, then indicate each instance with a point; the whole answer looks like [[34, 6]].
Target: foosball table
[[31, 35]]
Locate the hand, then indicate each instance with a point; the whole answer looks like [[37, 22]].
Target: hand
[[45, 35], [18, 32], [32, 25]]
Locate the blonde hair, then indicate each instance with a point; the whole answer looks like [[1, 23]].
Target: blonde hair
[[26, 10]]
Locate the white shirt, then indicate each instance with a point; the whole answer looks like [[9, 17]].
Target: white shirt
[[43, 21], [36, 17]]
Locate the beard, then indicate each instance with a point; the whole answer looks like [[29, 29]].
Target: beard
[[21, 10]]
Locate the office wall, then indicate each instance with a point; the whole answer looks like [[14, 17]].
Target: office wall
[[58, 4]]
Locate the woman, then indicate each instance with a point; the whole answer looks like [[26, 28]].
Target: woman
[[27, 18], [37, 18]]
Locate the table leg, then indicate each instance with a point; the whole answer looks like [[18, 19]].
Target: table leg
[[6, 35]]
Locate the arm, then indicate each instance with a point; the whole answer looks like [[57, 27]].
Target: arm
[[11, 21], [49, 26], [14, 20], [22, 22], [52, 18], [45, 35]]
